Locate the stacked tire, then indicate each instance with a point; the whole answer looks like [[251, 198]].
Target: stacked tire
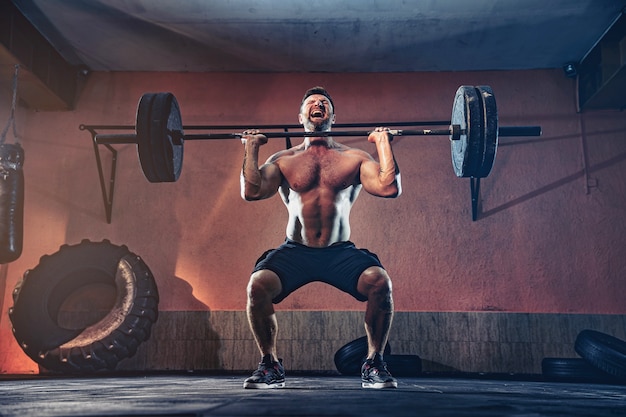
[[602, 359]]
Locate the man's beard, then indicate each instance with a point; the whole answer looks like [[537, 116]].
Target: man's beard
[[322, 126]]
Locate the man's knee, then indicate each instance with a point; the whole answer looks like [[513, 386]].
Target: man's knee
[[375, 282], [263, 286]]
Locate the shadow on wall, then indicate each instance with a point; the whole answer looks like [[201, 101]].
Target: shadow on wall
[[180, 340], [552, 186]]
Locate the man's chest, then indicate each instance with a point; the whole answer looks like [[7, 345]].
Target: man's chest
[[332, 170]]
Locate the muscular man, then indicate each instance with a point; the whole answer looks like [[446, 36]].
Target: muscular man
[[319, 181]]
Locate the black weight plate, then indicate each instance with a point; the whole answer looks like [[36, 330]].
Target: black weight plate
[[158, 136], [167, 149], [175, 138], [468, 149], [349, 358], [404, 365], [490, 126], [142, 130]]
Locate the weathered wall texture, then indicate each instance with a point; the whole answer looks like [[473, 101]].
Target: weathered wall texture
[[550, 237]]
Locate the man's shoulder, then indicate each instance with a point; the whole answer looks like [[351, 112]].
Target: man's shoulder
[[356, 152], [285, 152]]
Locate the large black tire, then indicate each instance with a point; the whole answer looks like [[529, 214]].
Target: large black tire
[[603, 351], [349, 358], [573, 370], [38, 298]]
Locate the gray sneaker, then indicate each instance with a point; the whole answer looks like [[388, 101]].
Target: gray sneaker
[[374, 374], [269, 374]]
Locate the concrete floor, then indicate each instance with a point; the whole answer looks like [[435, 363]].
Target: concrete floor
[[208, 395]]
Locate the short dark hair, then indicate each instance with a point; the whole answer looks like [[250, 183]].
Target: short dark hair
[[318, 90]]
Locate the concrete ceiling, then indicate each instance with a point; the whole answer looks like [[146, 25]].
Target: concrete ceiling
[[322, 35]]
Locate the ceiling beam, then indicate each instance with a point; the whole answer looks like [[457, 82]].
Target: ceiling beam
[[46, 80]]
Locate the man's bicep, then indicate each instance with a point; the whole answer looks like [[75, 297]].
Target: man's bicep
[[369, 176], [271, 178]]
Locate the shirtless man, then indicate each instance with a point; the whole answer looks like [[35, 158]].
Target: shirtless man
[[319, 181]]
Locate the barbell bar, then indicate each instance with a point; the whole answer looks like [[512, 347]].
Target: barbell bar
[[473, 134], [453, 131]]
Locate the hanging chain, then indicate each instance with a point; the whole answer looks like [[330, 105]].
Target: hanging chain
[[12, 115]]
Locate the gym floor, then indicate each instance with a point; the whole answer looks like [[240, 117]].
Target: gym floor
[[305, 395]]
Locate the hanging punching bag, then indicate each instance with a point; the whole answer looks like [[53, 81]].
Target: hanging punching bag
[[11, 202]]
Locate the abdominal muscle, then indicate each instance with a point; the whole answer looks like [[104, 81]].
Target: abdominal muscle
[[321, 217]]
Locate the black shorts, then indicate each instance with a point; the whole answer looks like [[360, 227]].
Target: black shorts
[[339, 265]]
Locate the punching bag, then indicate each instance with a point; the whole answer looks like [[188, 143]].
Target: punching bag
[[11, 202]]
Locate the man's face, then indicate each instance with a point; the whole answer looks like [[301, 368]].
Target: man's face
[[316, 113]]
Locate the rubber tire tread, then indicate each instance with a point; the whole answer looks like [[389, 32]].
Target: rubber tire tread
[[572, 370], [604, 351], [349, 358], [43, 340]]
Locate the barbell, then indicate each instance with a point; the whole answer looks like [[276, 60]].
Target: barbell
[[473, 134]]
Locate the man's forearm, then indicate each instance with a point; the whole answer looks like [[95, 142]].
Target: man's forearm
[[389, 170], [250, 173]]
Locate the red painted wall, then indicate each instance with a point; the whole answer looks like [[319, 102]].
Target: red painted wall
[[550, 237]]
